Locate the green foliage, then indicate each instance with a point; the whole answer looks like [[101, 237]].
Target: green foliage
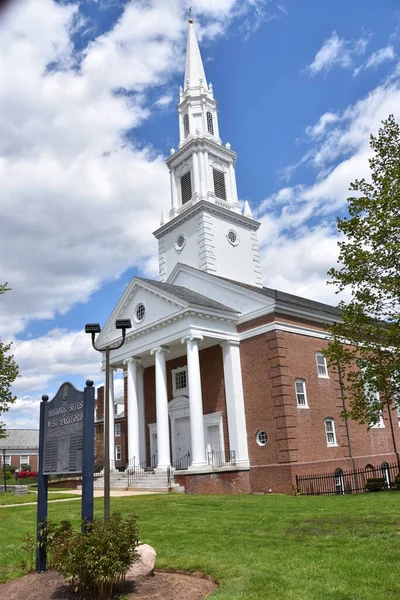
[[26, 467], [29, 545], [375, 484], [8, 374], [366, 344], [94, 561], [397, 482]]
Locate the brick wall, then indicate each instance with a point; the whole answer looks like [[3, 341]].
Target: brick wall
[[233, 482], [296, 437]]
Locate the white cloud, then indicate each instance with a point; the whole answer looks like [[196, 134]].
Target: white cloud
[[164, 100], [376, 59], [78, 199], [337, 52], [298, 236]]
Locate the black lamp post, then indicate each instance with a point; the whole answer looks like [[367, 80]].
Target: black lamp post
[[4, 470], [94, 328]]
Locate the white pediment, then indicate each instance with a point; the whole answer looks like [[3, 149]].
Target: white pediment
[[158, 307], [245, 301]]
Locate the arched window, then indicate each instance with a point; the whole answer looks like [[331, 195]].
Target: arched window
[[186, 124], [339, 484], [186, 187], [210, 124]]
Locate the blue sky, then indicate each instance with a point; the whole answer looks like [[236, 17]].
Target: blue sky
[[88, 95]]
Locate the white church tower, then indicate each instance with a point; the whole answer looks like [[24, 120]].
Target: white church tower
[[205, 228]]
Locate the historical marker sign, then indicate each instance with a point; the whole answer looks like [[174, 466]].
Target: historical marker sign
[[63, 432]]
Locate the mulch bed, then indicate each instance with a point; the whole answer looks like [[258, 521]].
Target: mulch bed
[[161, 586]]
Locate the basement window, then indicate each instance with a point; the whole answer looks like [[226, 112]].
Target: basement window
[[219, 184]]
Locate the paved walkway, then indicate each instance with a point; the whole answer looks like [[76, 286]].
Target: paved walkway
[[97, 494]]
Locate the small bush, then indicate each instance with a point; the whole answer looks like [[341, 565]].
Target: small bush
[[26, 467], [375, 484], [396, 482], [27, 474], [97, 468], [11, 468], [95, 561]]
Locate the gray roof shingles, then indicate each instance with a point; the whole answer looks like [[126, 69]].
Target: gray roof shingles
[[20, 439], [187, 295]]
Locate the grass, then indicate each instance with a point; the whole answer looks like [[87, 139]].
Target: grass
[[31, 496], [279, 547]]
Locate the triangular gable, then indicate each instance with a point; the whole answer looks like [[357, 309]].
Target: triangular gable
[[245, 301], [158, 306]]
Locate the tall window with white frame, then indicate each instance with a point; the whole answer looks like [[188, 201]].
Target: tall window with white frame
[[117, 429], [330, 432], [117, 452], [322, 367], [301, 394]]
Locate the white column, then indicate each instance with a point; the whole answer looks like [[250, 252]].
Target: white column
[[235, 402], [195, 402], [111, 427], [232, 178], [206, 174], [133, 412], [163, 450], [142, 431], [174, 199], [195, 160]]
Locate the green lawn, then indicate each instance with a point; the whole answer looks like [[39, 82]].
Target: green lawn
[[258, 547], [10, 498]]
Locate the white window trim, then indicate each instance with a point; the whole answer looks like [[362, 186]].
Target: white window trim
[[325, 376], [117, 451], [181, 391], [117, 428], [24, 462], [303, 381], [328, 443], [7, 460]]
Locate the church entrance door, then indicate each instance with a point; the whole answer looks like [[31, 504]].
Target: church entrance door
[[182, 437]]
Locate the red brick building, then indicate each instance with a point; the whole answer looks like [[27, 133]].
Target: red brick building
[[225, 379]]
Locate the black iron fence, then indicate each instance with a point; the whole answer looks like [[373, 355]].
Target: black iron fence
[[347, 482]]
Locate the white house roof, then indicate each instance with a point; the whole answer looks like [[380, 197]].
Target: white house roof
[[20, 439]]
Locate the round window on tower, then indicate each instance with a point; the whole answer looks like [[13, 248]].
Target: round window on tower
[[232, 237], [261, 437], [180, 242], [140, 313]]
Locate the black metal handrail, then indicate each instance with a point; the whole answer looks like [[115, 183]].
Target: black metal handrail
[[136, 471], [183, 463]]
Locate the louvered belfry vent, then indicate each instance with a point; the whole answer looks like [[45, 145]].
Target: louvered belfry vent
[[210, 124], [219, 184], [186, 187], [186, 124]]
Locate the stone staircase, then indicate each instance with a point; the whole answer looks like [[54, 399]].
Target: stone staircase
[[147, 481]]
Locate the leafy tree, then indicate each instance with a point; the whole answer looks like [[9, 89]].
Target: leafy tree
[[8, 374], [366, 344]]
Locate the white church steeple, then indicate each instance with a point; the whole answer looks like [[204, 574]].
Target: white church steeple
[[206, 229]]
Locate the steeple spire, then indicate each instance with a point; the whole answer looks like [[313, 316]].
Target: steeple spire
[[194, 71]]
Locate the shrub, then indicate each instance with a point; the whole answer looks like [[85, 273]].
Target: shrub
[[95, 561], [27, 474], [11, 468], [97, 468], [26, 467], [396, 482], [375, 484]]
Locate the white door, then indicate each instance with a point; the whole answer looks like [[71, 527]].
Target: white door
[[183, 443], [153, 450], [213, 444]]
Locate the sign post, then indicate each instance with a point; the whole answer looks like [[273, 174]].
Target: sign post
[[66, 445]]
